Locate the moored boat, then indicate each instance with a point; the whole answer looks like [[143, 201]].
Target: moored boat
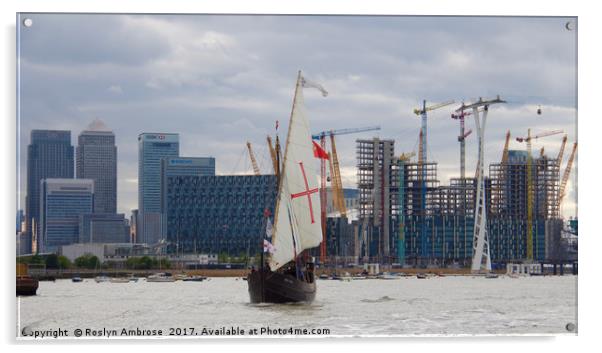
[[76, 279], [161, 277], [101, 279], [26, 285], [119, 280], [194, 279]]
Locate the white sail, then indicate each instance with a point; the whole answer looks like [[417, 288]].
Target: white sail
[[297, 222]]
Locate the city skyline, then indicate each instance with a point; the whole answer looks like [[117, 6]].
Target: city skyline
[[222, 80]]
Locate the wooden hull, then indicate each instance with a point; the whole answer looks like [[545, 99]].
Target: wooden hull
[[27, 286], [274, 287]]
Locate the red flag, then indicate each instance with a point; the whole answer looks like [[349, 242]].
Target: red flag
[[319, 151]]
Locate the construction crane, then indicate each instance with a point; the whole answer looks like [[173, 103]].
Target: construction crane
[[273, 154], [462, 139], [505, 151], [561, 151], [253, 161], [565, 176], [335, 171], [530, 185], [421, 112], [336, 181]]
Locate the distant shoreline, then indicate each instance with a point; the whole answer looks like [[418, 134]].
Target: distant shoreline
[[67, 274]]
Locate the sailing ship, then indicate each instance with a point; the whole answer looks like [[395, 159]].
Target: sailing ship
[[286, 273]]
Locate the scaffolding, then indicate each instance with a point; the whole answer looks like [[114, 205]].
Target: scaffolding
[[378, 176]]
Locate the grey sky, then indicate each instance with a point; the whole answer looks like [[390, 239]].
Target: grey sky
[[222, 80]]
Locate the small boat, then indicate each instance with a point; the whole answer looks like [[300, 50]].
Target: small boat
[[323, 276], [76, 279], [346, 277], [26, 285], [119, 280], [388, 275], [421, 276], [491, 275], [195, 279], [132, 278], [514, 275], [101, 279], [161, 277]]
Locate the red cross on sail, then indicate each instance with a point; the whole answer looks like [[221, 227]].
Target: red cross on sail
[[307, 192]]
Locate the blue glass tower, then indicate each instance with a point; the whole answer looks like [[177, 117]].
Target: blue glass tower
[[49, 155], [62, 202], [152, 147]]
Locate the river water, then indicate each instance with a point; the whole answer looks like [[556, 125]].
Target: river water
[[406, 306]]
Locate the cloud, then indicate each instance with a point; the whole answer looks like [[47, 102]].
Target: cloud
[[115, 89], [222, 80]]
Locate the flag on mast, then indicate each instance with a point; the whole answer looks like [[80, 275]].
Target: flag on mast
[[307, 83], [319, 151]]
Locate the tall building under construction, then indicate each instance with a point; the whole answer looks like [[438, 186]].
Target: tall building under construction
[[378, 199], [406, 216]]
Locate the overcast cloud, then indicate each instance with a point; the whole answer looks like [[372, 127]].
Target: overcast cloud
[[219, 81]]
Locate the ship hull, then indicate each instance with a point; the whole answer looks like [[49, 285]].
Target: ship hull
[[26, 286], [266, 286]]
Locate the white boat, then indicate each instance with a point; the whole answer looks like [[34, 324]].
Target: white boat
[[161, 277], [388, 275], [100, 279], [119, 280]]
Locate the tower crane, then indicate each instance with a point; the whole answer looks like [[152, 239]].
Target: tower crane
[[336, 183], [273, 154], [421, 112], [253, 161], [462, 139], [561, 151], [505, 151], [565, 176], [528, 139]]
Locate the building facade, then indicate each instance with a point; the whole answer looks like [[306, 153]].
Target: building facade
[[103, 228], [152, 147], [378, 201], [49, 155], [217, 214], [96, 159], [62, 202]]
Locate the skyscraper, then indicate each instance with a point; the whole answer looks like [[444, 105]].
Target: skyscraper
[[49, 155], [96, 159], [152, 147], [62, 202]]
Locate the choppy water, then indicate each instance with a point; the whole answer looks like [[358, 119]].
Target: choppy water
[[408, 306]]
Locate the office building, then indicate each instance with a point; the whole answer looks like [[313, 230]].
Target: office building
[[103, 228], [152, 147], [62, 202], [96, 159], [49, 155], [217, 214], [378, 201]]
